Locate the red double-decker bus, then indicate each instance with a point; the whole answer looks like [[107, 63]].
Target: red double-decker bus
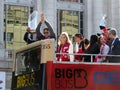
[[35, 68]]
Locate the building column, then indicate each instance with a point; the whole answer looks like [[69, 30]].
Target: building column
[[88, 18], [38, 5], [2, 49], [94, 15], [108, 10], [116, 15], [49, 8], [98, 12], [1, 23]]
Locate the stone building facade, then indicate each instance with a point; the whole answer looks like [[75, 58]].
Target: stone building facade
[[73, 16]]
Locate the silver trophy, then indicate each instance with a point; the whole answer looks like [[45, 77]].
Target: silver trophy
[[33, 21]]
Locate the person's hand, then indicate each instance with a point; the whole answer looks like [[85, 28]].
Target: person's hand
[[28, 29], [42, 17]]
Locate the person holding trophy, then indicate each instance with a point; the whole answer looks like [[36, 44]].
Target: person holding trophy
[[44, 29], [30, 35], [36, 31]]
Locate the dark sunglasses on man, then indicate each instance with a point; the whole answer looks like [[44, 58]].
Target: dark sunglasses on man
[[46, 32]]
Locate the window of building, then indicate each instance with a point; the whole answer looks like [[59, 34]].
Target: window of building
[[9, 38], [70, 22], [81, 22], [80, 1], [15, 25]]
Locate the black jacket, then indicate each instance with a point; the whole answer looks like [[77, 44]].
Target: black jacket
[[115, 50], [28, 39], [39, 34], [115, 47], [93, 49]]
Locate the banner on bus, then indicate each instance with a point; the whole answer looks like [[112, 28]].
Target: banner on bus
[[2, 81], [83, 76]]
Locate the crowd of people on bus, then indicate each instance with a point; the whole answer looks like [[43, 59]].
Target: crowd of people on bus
[[100, 46]]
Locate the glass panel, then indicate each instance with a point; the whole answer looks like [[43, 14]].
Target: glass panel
[[17, 38], [17, 27], [9, 38], [11, 15], [10, 26], [15, 22], [70, 0], [17, 10], [69, 22], [81, 1], [81, 22], [28, 60], [75, 18], [33, 87], [24, 23]]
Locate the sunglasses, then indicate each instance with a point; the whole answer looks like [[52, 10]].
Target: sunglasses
[[46, 32]]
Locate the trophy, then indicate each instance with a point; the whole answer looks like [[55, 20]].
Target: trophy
[[102, 22], [33, 21]]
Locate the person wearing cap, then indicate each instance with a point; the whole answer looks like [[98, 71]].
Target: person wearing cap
[[42, 27], [115, 46]]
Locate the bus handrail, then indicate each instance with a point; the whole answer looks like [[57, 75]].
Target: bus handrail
[[88, 54], [91, 55]]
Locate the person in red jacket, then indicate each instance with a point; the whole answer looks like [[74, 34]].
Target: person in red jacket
[[79, 39], [64, 46]]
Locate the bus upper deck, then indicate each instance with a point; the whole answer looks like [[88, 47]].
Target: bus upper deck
[[31, 71]]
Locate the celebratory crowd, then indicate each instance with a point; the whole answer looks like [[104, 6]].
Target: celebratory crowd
[[101, 44]]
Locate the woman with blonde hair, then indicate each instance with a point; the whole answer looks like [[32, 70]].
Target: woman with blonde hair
[[64, 46]]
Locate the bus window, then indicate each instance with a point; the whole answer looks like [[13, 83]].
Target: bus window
[[29, 65], [28, 60]]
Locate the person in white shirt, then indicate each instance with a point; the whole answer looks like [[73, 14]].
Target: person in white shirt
[[104, 50]]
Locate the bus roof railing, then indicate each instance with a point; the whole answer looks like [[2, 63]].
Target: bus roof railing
[[91, 55]]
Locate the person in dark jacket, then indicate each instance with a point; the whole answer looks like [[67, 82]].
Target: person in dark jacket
[[29, 36], [115, 46], [43, 24], [86, 45], [93, 48]]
